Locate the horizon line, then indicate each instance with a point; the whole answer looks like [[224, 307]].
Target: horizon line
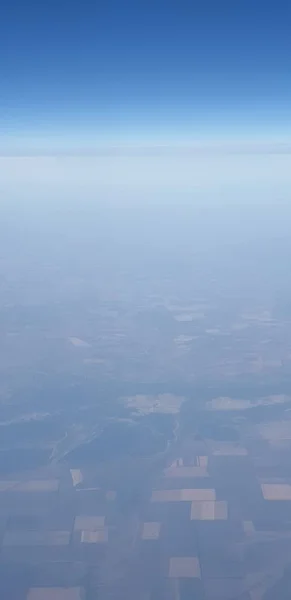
[[122, 149]]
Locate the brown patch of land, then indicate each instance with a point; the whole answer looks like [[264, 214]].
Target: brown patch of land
[[151, 530], [187, 566]]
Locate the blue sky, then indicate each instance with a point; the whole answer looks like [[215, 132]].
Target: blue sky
[[78, 74]]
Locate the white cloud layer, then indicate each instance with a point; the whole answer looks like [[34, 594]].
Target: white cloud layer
[[213, 175]]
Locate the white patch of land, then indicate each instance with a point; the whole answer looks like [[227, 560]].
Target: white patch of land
[[162, 403], [78, 343]]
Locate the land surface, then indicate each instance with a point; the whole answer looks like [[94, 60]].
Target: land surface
[[145, 413]]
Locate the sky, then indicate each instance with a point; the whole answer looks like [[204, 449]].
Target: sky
[[79, 75]]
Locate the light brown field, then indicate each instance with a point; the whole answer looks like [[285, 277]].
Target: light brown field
[[151, 530], [37, 485], [209, 511], [202, 511], [187, 317], [186, 472], [77, 476], [162, 403], [228, 449], [185, 495], [56, 593], [183, 339], [187, 566], [88, 523], [276, 491], [202, 461], [95, 537], [198, 494], [225, 403]]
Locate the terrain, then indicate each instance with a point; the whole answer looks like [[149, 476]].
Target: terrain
[[145, 408]]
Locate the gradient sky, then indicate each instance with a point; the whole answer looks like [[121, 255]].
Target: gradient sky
[[79, 73]]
